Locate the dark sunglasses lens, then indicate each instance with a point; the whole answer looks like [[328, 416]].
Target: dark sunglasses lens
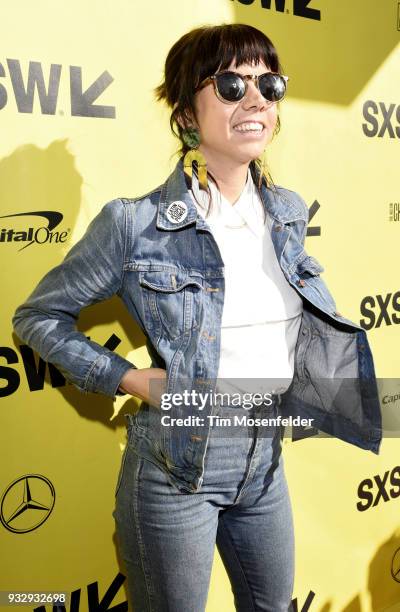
[[230, 87], [272, 87]]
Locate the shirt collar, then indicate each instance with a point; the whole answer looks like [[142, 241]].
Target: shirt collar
[[175, 190]]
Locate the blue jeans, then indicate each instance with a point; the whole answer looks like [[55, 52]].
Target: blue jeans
[[167, 537]]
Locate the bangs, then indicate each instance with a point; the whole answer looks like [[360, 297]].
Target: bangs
[[219, 46]]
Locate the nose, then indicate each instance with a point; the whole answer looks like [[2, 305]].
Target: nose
[[254, 98]]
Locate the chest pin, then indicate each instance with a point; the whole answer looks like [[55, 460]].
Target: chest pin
[[177, 211]]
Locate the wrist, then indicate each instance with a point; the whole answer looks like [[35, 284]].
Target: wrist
[[125, 384]]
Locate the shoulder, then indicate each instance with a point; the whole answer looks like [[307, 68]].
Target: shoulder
[[112, 213], [129, 215], [151, 196], [120, 209], [295, 199], [109, 223]]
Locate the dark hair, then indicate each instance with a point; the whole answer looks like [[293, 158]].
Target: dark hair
[[199, 54]]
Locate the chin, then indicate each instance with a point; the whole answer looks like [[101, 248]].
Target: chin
[[246, 154], [252, 154]]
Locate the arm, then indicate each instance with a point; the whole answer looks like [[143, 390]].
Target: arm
[[91, 272], [307, 218], [306, 214], [300, 229]]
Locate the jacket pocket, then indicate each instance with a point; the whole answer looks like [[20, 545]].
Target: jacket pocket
[[171, 301]]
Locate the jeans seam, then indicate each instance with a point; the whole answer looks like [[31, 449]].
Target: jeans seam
[[250, 473], [139, 534], [226, 531], [122, 468]]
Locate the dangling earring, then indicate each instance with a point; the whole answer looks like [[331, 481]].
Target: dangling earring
[[263, 166], [277, 127], [191, 138]]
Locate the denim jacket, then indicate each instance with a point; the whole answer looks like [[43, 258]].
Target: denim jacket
[[170, 275]]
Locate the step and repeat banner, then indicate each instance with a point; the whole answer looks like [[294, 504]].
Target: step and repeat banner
[[79, 127]]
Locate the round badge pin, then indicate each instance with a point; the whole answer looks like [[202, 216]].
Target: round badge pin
[[177, 211]]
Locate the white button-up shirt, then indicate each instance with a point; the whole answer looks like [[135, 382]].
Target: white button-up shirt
[[262, 312]]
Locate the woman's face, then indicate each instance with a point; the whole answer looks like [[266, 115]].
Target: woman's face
[[217, 121]]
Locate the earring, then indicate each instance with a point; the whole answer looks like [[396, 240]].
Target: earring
[[277, 127], [262, 161], [191, 138]]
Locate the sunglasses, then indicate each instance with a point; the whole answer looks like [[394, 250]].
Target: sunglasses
[[231, 86]]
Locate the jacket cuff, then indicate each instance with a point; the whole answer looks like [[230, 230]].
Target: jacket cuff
[[106, 373]]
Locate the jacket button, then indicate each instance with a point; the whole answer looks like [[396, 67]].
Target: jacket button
[[278, 228], [301, 283]]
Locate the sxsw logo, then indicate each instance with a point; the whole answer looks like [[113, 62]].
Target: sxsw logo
[[380, 309], [394, 211], [35, 371], [381, 488], [92, 599], [380, 119], [314, 230], [300, 7], [26, 83]]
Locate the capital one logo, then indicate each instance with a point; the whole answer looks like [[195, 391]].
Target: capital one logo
[[40, 235], [300, 7], [25, 84]]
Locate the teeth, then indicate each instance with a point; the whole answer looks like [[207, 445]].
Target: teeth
[[246, 127]]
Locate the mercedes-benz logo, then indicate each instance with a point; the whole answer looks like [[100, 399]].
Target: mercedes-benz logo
[[395, 569], [27, 503]]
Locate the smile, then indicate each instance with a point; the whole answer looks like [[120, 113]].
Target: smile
[[250, 126]]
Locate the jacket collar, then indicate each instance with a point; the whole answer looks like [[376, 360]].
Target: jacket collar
[[175, 191]]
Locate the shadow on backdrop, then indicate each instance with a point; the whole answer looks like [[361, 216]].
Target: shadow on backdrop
[[332, 51], [47, 180]]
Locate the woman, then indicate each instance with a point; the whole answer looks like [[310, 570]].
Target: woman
[[212, 266]]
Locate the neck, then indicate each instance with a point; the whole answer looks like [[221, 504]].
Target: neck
[[231, 176]]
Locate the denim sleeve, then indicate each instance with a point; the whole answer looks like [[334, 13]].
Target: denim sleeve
[[294, 197], [91, 272], [305, 213], [306, 217]]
